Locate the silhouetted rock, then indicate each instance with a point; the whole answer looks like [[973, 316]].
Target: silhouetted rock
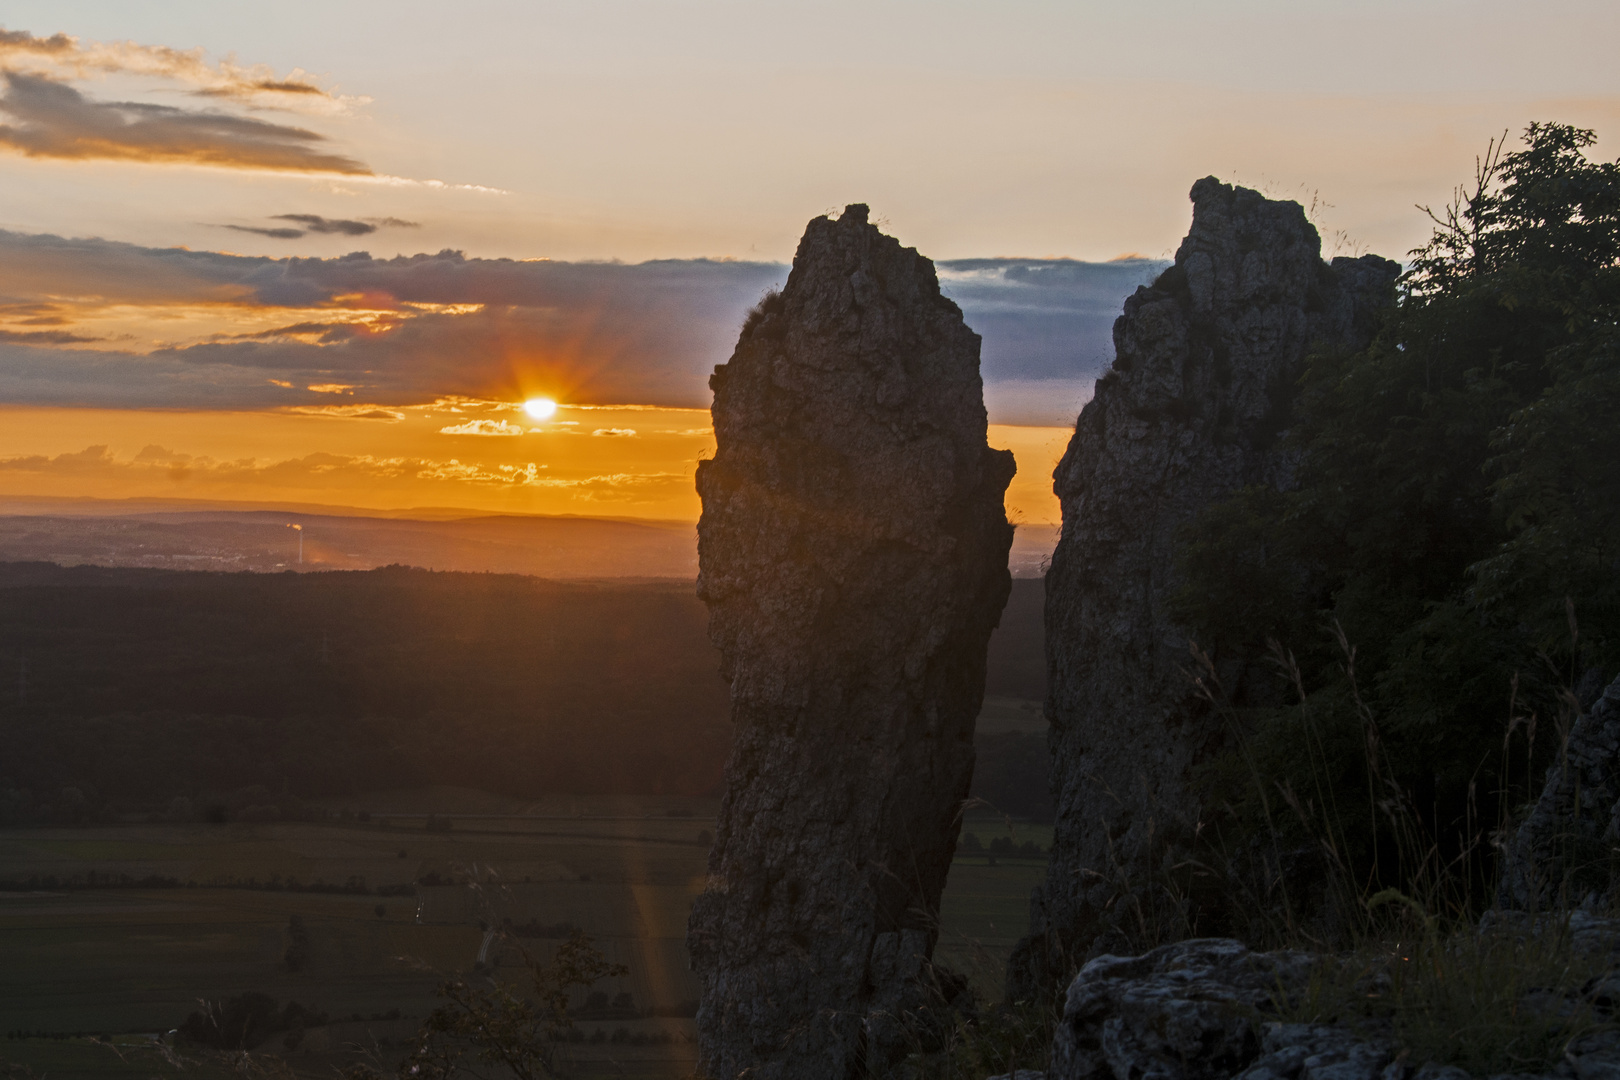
[[1563, 852], [1207, 361], [853, 554]]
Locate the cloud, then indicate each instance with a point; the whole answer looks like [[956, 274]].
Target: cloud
[[338, 226], [340, 472], [411, 329], [400, 330], [274, 234], [89, 459], [345, 226], [54, 120], [619, 432], [64, 54], [1040, 402], [43, 337], [483, 427], [330, 226], [57, 121], [1044, 318], [350, 412], [152, 452]]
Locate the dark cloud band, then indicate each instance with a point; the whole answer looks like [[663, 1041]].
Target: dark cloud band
[[600, 333], [314, 223]]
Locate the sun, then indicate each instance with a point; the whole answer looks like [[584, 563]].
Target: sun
[[541, 408]]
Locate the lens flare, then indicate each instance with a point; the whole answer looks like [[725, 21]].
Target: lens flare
[[541, 408]]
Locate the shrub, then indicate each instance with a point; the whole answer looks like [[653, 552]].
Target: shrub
[[517, 1027]]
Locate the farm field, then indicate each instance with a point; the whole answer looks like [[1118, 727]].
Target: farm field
[[111, 966]]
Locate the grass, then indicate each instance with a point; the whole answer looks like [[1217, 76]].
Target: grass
[[1509, 998], [1509, 993], [130, 962]]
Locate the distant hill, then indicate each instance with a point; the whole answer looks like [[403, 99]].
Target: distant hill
[[197, 536], [133, 687], [550, 547]]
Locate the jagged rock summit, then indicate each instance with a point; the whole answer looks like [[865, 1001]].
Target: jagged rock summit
[[853, 554], [1207, 361]]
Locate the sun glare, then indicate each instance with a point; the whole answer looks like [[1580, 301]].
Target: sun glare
[[541, 408]]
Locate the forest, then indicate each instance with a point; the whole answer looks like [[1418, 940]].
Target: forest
[[129, 689]]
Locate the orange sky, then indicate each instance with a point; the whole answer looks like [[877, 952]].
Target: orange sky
[[611, 461], [188, 308]]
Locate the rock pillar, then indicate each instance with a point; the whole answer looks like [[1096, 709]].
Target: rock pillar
[[1206, 364], [853, 554]]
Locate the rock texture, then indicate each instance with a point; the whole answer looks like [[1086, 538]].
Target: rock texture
[[853, 554], [1189, 1011], [1564, 853], [1207, 360], [1207, 1010]]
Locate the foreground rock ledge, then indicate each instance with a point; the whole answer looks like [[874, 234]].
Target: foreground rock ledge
[[853, 554], [1207, 1009]]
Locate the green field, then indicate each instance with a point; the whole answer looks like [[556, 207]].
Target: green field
[[128, 963]]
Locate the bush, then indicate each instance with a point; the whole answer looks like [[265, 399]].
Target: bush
[[246, 1020], [520, 1027], [297, 956]]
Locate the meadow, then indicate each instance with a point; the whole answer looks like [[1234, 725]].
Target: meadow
[[92, 974]]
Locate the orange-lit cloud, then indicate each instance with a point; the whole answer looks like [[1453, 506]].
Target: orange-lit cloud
[[422, 457], [54, 120], [434, 455], [483, 427], [349, 412], [336, 473], [65, 54]]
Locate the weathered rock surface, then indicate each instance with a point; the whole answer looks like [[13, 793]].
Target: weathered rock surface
[[1188, 1011], [1563, 853], [853, 554], [1207, 361], [1206, 1010]]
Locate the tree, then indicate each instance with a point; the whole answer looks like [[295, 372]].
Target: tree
[[1457, 501]]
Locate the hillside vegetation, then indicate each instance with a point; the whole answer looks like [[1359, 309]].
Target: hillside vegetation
[[126, 689], [1424, 611]]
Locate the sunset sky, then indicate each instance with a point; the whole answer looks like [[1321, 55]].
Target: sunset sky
[[319, 254]]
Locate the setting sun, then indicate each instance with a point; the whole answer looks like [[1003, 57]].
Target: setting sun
[[541, 408]]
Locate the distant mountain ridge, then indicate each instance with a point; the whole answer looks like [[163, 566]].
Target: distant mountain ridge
[[202, 536], [262, 540]]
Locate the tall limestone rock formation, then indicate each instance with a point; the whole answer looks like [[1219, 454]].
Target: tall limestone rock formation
[[1207, 361], [853, 554]]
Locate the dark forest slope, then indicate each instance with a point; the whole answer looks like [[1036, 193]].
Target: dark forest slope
[[136, 686]]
